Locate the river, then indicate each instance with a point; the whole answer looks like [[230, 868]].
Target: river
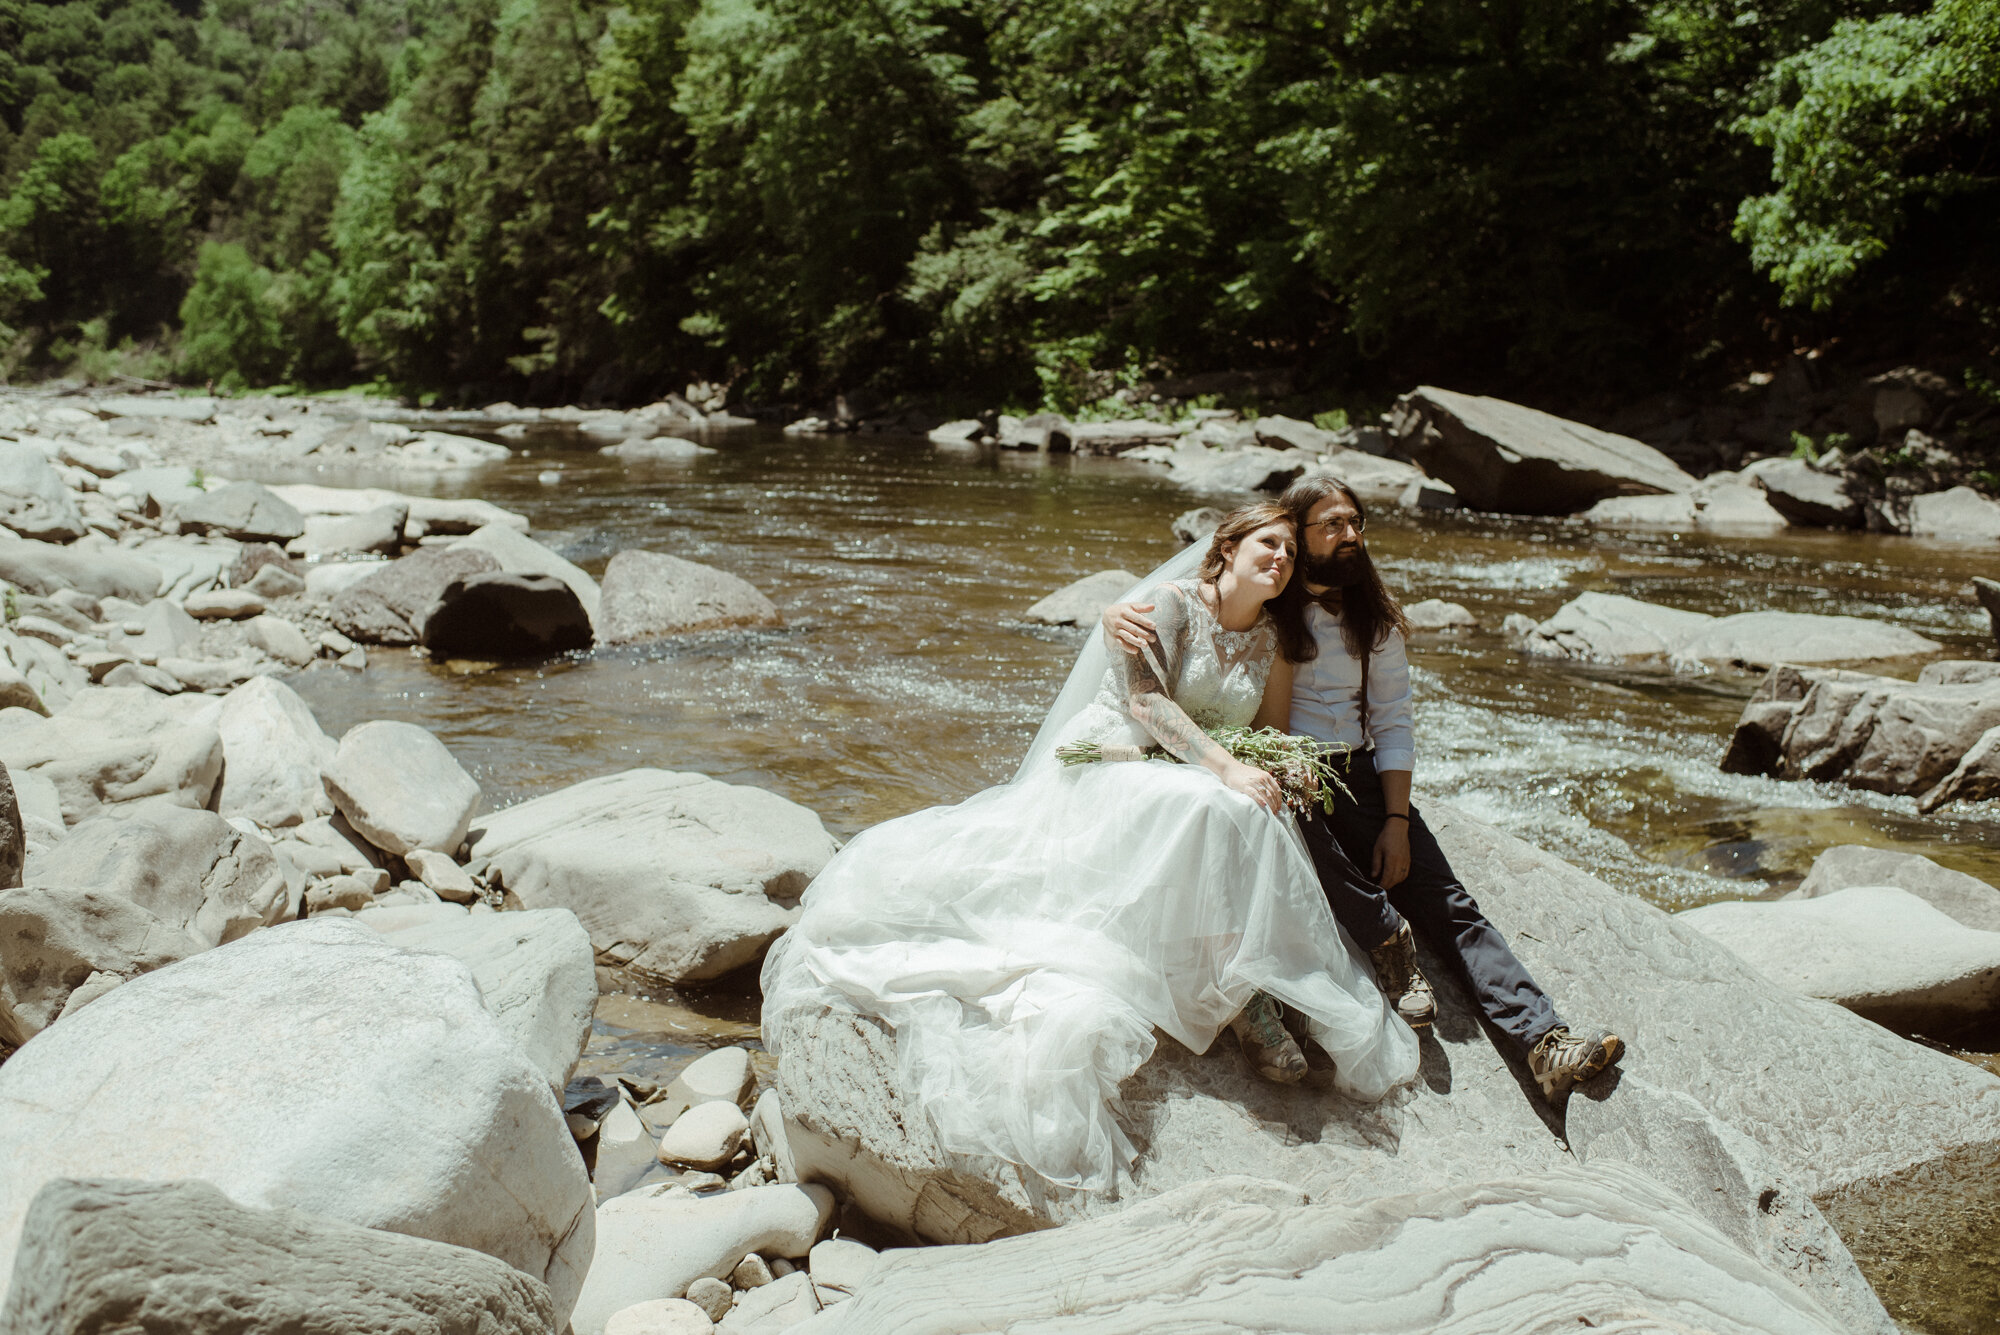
[[904, 675]]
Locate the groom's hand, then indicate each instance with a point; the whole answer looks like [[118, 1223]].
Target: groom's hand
[[1129, 628], [1392, 855]]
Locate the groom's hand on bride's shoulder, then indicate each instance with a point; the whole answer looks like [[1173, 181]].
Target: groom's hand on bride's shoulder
[[1132, 630]]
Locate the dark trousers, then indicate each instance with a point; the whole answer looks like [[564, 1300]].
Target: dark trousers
[[1431, 898]]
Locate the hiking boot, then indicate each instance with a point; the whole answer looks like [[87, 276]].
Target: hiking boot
[[1402, 982], [1273, 1053], [1561, 1060]]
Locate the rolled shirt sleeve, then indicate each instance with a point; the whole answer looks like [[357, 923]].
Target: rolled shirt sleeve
[[1391, 719]]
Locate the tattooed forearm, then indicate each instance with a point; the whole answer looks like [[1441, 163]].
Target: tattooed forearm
[[1148, 702]]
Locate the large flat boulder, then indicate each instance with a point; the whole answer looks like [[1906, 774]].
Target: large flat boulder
[[519, 554], [1879, 733], [43, 568], [191, 869], [435, 514], [1566, 1250], [1242, 469], [181, 1258], [1856, 1117], [1957, 515], [34, 502], [379, 530], [498, 617], [1962, 898], [1806, 495], [1724, 506], [401, 788], [1611, 628], [388, 604], [534, 971], [52, 942], [314, 1066], [272, 753], [1082, 602], [1878, 950], [246, 511], [648, 595], [1506, 458], [121, 745], [677, 877]]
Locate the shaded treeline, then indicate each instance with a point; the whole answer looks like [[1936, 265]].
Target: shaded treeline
[[997, 200]]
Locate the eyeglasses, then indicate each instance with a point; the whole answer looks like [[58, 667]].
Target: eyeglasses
[[1356, 524]]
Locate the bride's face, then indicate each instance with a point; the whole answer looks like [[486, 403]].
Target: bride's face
[[1263, 559]]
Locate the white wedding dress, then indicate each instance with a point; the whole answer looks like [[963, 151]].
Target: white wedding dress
[[1026, 943]]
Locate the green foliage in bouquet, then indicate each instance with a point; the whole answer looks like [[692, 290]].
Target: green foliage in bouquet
[[1305, 769]]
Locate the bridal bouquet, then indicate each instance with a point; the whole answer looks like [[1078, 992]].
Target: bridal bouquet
[[1303, 767]]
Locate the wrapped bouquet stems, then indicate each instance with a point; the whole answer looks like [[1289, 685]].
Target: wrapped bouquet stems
[[1305, 769]]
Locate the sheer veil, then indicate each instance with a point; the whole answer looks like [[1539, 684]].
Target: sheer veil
[[1095, 659]]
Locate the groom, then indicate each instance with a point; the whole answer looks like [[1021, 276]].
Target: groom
[[1356, 693]]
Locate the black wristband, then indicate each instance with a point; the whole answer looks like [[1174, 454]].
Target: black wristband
[[1397, 815]]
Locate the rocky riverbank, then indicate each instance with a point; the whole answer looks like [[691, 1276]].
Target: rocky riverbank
[[317, 973]]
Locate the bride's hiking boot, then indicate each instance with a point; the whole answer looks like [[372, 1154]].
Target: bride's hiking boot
[[1402, 982], [1272, 1051], [1560, 1061]]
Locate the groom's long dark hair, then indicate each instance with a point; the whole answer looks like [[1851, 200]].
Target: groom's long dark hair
[[1368, 611]]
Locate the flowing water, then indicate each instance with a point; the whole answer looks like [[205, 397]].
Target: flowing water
[[904, 675]]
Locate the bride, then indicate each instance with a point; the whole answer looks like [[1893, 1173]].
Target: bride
[[1025, 944]]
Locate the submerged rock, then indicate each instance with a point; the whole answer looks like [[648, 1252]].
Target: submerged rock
[[171, 1258], [1503, 457], [650, 594], [677, 877], [316, 1066]]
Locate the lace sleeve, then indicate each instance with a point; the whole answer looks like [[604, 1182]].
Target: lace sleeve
[[1158, 670]]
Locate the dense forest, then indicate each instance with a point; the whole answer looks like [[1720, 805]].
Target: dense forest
[[997, 201]]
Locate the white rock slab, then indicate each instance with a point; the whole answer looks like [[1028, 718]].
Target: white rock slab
[[677, 877], [1878, 950], [1953, 893], [1958, 515], [317, 1066], [119, 745], [1565, 1251], [1762, 639], [534, 972], [654, 1242]]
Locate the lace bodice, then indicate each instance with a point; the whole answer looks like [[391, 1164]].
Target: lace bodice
[[1216, 676]]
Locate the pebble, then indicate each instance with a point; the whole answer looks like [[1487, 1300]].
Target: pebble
[[274, 581], [280, 639], [722, 1076], [340, 892], [781, 1267], [333, 641], [225, 604], [842, 1263], [444, 877], [706, 1136], [548, 477], [662, 1316], [712, 1296], [752, 1272]]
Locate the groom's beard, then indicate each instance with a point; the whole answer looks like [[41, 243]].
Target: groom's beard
[[1337, 569]]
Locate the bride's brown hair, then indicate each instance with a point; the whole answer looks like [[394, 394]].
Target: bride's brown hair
[[1288, 615]]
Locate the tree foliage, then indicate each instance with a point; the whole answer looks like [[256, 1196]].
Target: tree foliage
[[998, 201]]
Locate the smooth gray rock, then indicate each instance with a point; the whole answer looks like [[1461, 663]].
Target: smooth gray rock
[[648, 595], [401, 788], [1879, 733], [677, 877], [252, 557], [274, 581], [1722, 506], [389, 603], [227, 604], [121, 745], [53, 941], [1611, 628], [535, 974], [1967, 899], [1436, 614], [518, 554], [158, 490], [1197, 525], [1502, 457], [46, 569], [655, 449], [1988, 593], [193, 409], [246, 511], [13, 836], [1566, 1250], [1958, 515], [312, 1065], [1845, 1108], [1878, 950], [1114, 438], [181, 1258], [1244, 469], [1083, 602], [1289, 433], [191, 869], [1379, 481], [500, 616], [166, 631], [1804, 495], [1958, 672], [33, 500], [280, 639]]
